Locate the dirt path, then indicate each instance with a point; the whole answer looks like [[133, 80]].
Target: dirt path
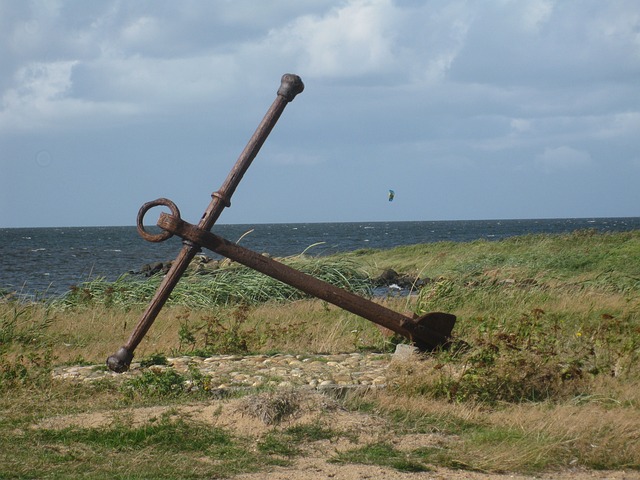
[[319, 469], [253, 417], [312, 383]]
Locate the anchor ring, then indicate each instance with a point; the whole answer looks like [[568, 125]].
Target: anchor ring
[[158, 237]]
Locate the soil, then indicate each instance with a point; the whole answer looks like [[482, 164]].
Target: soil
[[251, 417]]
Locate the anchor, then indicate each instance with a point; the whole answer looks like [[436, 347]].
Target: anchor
[[427, 332]]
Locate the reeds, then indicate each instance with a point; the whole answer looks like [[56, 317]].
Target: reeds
[[224, 286]]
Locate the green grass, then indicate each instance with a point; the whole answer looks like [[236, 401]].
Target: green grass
[[288, 442], [231, 285], [584, 258], [544, 373], [385, 455], [167, 448]]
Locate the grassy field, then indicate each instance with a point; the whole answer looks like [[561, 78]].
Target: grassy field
[[543, 375]]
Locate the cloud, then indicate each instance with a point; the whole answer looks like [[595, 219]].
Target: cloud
[[41, 99], [403, 89], [563, 159], [620, 125], [127, 59], [536, 13], [520, 125], [546, 43], [109, 62], [152, 83], [353, 40]]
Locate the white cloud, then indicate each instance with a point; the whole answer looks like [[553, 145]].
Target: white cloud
[[39, 86], [161, 58], [447, 34], [354, 39], [520, 125], [45, 81], [540, 43], [625, 124], [563, 158], [153, 83], [122, 59], [536, 13], [142, 31], [41, 100]]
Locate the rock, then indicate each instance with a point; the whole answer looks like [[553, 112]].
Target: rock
[[150, 269], [405, 352], [225, 373], [388, 277], [394, 280]]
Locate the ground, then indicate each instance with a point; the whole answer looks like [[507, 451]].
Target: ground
[[254, 416]]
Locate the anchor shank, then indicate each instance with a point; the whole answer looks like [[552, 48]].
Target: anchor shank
[[290, 86]]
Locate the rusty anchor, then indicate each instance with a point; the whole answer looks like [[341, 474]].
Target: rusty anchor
[[427, 332]]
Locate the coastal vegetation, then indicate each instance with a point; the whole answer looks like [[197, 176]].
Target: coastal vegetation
[[543, 373]]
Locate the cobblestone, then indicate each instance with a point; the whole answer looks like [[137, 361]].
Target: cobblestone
[[349, 370]]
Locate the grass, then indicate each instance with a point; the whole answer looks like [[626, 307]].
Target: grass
[[383, 454], [159, 449], [543, 375], [229, 285]]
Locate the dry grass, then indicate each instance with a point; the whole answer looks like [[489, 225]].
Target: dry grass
[[549, 378], [599, 434], [310, 326]]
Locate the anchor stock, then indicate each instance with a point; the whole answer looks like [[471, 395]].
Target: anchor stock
[[427, 332]]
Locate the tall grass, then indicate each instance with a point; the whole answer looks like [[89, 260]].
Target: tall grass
[[544, 372], [539, 316], [607, 261], [225, 286]]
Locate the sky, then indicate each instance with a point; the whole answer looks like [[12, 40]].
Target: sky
[[499, 109]]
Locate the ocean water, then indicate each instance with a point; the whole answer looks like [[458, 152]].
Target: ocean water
[[48, 261]]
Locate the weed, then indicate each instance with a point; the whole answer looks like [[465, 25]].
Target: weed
[[382, 454], [154, 359], [186, 334], [230, 338], [222, 332], [273, 443], [155, 383], [17, 326], [272, 407], [26, 344], [311, 432]]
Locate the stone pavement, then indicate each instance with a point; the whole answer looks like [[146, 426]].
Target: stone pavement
[[337, 371]]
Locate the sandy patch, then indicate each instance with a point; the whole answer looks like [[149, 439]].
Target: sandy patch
[[241, 417]]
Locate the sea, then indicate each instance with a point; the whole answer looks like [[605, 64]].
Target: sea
[[47, 262]]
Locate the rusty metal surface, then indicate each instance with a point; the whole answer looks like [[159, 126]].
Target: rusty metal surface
[[290, 86], [427, 332]]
